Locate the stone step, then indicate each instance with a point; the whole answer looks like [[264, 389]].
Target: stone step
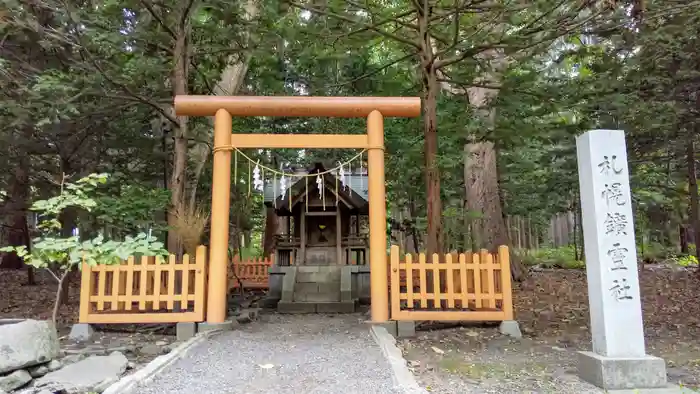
[[317, 297], [312, 288], [316, 307], [317, 276]]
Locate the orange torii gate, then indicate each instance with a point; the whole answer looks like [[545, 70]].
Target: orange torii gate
[[224, 107]]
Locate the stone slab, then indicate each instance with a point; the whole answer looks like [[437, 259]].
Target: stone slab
[[86, 374], [318, 277], [14, 380], [610, 373], [288, 284], [296, 307], [27, 343], [322, 297], [185, 331], [335, 307], [224, 326], [305, 287], [390, 326], [402, 376], [329, 287]]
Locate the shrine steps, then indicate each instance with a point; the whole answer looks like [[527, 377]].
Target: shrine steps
[[317, 289]]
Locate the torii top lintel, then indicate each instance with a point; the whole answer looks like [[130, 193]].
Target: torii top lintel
[[298, 106]]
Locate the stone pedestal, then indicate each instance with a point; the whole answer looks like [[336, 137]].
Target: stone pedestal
[[618, 360], [616, 373]]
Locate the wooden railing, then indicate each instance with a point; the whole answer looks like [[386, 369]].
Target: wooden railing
[[252, 273], [145, 290], [464, 287], [286, 240]]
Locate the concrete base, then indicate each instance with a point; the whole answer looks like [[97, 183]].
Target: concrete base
[[398, 329], [296, 307], [608, 373], [81, 332], [185, 331], [405, 329], [335, 307], [316, 307], [670, 389], [510, 328], [206, 326], [390, 326]]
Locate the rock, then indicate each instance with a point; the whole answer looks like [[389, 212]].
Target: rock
[[86, 374], [244, 317], [38, 371], [89, 351], [15, 380], [54, 365], [161, 343], [151, 350], [72, 359], [104, 385], [27, 343]]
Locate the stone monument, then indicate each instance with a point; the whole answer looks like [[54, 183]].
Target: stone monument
[[618, 359]]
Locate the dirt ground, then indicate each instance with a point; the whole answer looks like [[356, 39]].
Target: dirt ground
[[551, 306]]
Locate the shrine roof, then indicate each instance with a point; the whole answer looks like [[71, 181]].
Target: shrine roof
[[356, 192]]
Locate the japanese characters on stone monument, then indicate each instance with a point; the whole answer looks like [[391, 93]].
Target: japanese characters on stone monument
[[611, 266]]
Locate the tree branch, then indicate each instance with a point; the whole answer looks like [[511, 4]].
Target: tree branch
[[374, 72], [154, 14], [351, 20], [502, 44]]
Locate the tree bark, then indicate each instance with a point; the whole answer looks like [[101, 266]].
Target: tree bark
[[693, 190], [271, 223], [16, 208], [179, 83]]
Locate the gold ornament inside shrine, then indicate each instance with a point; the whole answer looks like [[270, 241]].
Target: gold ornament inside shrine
[[223, 108]]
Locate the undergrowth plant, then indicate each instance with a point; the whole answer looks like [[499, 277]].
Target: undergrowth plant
[[60, 255]]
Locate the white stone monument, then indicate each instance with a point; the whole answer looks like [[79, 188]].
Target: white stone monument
[[618, 359]]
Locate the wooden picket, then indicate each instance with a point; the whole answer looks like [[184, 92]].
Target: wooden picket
[[150, 290], [451, 287], [253, 273]]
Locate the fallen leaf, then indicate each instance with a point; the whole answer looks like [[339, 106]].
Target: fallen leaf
[[472, 333], [438, 350]]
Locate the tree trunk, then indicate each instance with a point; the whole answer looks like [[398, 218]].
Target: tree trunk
[[693, 189], [178, 177], [16, 210], [481, 183], [270, 231], [432, 171]]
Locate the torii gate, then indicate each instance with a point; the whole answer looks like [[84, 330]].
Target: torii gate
[[224, 107]]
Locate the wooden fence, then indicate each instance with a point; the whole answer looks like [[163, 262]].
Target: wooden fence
[[464, 287], [150, 290], [253, 273]]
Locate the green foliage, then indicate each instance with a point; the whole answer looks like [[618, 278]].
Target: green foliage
[[130, 207], [562, 257], [686, 261], [61, 254]]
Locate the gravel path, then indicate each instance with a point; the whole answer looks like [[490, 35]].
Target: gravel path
[[280, 354]]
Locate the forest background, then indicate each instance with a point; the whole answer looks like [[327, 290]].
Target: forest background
[[87, 87]]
